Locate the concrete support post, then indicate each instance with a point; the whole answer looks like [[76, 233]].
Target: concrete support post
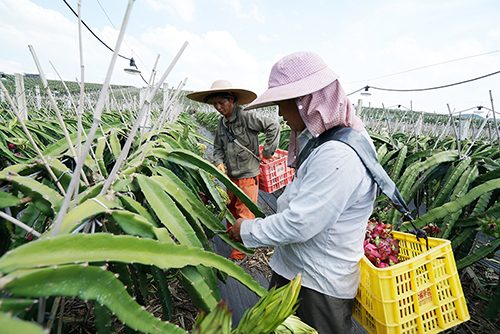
[[38, 98], [145, 124], [20, 95], [358, 107]]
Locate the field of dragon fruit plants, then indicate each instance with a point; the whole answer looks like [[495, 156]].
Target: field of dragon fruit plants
[[105, 198], [118, 224], [451, 184]]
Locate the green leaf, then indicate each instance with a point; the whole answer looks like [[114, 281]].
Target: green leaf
[[167, 212], [177, 189], [16, 305], [462, 186], [446, 189], [99, 155], [134, 224], [381, 152], [13, 325], [479, 254], [161, 283], [89, 283], [191, 160], [7, 200], [46, 199], [493, 308], [88, 209], [78, 248], [103, 323], [115, 143], [458, 204], [200, 292], [132, 205]]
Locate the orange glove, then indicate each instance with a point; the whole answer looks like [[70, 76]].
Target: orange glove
[[221, 168]]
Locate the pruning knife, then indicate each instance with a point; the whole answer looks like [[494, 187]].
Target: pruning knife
[[223, 231]]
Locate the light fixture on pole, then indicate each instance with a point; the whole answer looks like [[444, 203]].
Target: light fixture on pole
[[366, 92], [3, 77], [132, 69]]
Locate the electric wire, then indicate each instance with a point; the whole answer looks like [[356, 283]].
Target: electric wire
[[427, 66], [106, 14], [100, 40], [424, 89], [111, 22], [365, 87], [90, 30]]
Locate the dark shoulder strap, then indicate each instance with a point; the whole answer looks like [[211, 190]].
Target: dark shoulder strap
[[363, 148]]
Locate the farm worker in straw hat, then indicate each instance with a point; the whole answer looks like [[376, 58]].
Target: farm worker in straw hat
[[320, 225], [236, 142]]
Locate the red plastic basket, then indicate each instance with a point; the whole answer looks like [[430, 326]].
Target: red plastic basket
[[274, 173]]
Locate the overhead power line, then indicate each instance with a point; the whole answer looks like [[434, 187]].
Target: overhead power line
[[100, 40], [111, 22], [106, 14], [423, 89], [422, 67], [90, 30]]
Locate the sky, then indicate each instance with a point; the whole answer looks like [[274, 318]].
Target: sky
[[389, 44]]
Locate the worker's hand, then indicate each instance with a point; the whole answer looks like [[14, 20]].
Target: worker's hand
[[221, 168], [234, 233], [267, 158]]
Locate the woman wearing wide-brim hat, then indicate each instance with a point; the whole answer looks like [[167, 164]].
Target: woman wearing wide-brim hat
[[236, 142], [322, 215]]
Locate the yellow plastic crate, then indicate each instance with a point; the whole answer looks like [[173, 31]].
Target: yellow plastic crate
[[421, 294]]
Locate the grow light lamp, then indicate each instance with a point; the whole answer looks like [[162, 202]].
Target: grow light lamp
[[132, 69], [366, 92]]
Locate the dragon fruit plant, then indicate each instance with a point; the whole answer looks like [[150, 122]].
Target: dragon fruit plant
[[380, 247]]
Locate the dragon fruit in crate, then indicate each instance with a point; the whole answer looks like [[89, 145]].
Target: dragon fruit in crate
[[380, 247]]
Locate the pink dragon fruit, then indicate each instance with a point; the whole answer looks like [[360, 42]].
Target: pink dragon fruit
[[380, 247]]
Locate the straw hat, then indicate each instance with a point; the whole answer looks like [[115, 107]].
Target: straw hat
[[244, 96], [295, 75]]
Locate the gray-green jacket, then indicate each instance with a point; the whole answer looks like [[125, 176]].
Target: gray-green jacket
[[245, 125]]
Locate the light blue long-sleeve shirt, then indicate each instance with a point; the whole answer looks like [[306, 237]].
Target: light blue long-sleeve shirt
[[321, 221]]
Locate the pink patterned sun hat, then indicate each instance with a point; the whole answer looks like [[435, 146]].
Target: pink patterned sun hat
[[295, 75]]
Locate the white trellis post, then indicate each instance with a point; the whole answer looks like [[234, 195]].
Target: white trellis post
[[145, 124], [464, 128], [21, 97], [460, 125], [38, 98], [165, 95], [455, 132], [495, 120], [418, 126], [359, 106], [107, 101]]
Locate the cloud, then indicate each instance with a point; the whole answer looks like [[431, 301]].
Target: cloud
[[494, 33], [49, 32], [264, 38], [184, 8], [55, 38], [25, 23], [211, 56], [253, 13]]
